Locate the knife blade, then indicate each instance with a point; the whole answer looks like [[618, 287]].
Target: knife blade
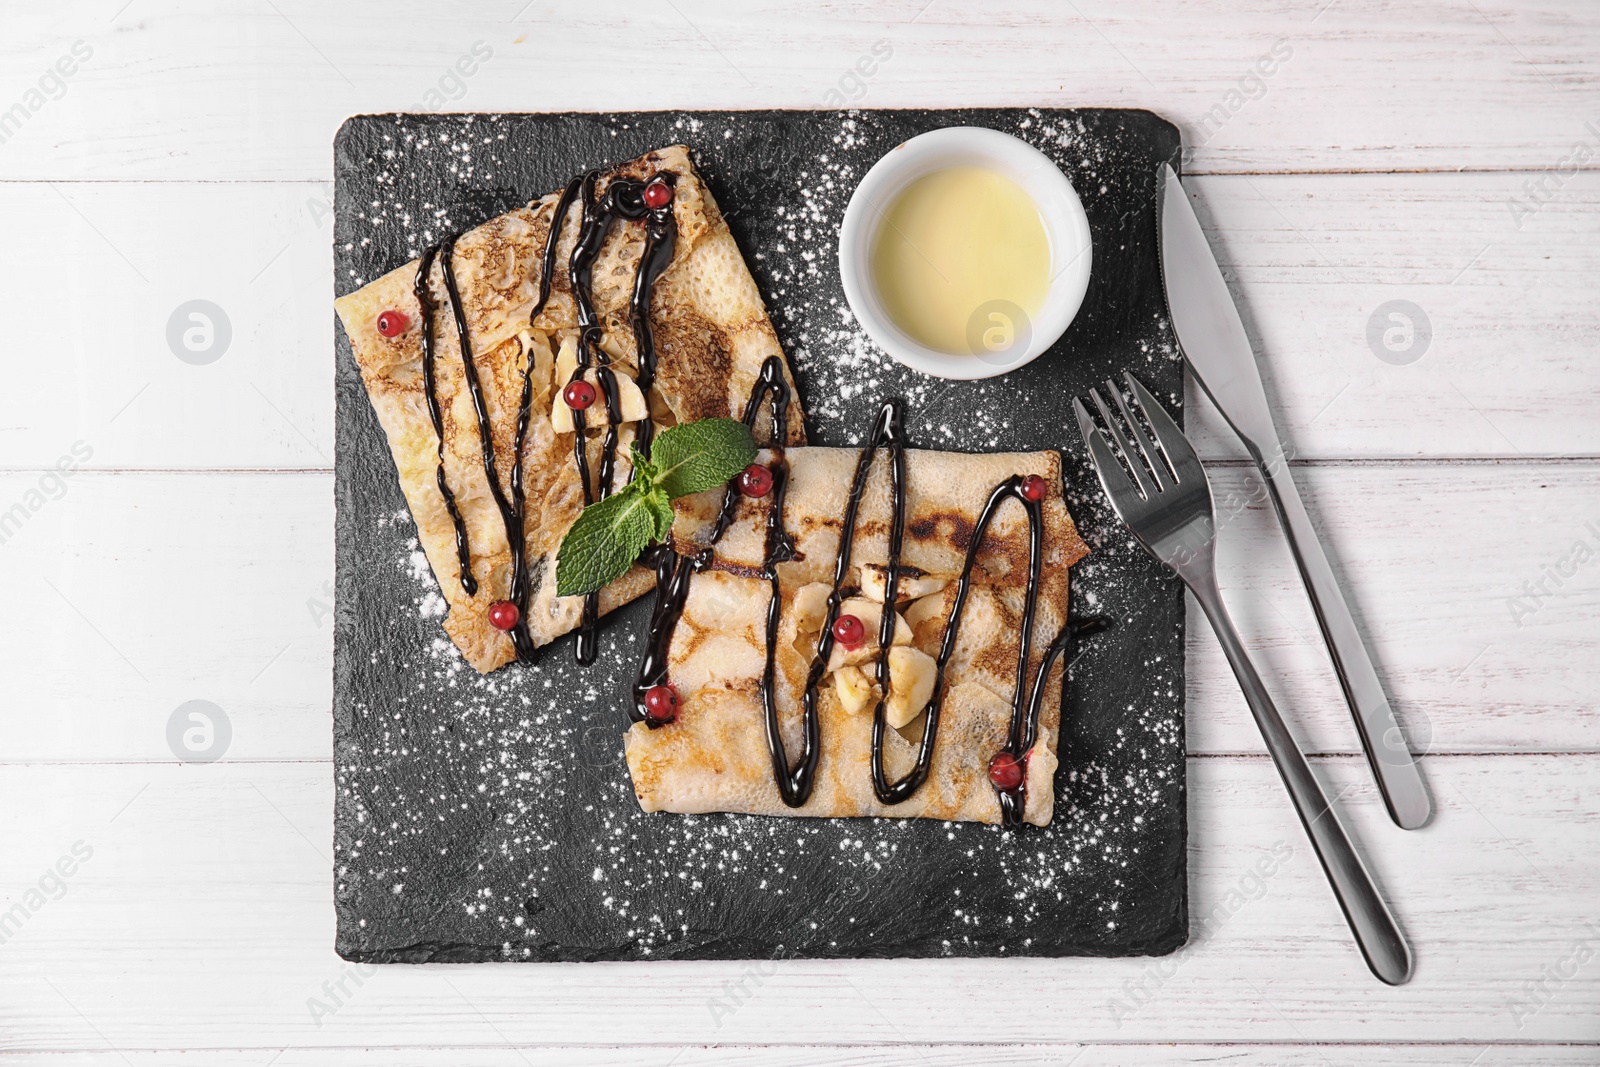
[[1212, 339]]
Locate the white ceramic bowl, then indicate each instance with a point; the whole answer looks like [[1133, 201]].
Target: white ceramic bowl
[[1065, 225]]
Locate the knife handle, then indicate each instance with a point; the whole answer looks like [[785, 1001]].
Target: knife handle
[[1393, 766]]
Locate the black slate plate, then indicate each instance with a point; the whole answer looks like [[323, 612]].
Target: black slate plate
[[492, 818]]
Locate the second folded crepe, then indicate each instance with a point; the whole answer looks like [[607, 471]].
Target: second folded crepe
[[716, 755]]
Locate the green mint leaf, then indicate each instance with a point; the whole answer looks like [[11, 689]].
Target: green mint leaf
[[644, 470], [647, 478], [611, 533], [701, 455], [661, 511], [605, 541]]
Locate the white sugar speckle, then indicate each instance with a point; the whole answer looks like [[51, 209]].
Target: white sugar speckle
[[503, 801]]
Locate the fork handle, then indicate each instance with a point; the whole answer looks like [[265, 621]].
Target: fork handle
[[1373, 925], [1395, 770]]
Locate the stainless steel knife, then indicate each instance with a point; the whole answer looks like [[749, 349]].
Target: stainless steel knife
[[1214, 344]]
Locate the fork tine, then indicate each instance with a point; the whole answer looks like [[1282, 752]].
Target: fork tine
[[1147, 447], [1174, 445], [1147, 488], [1113, 479]]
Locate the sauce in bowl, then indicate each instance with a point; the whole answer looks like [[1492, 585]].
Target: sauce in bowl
[[964, 253], [954, 243]]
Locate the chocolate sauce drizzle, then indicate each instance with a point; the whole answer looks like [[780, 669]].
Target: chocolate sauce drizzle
[[887, 431], [660, 241], [795, 782], [521, 585], [623, 198], [1025, 728], [1010, 489], [674, 570], [510, 516], [425, 301]]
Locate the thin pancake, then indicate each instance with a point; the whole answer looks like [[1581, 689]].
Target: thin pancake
[[715, 756], [712, 336]]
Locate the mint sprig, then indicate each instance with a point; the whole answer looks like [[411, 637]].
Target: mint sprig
[[701, 455], [605, 540], [611, 533]]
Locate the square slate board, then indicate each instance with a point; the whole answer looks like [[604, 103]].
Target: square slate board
[[493, 818]]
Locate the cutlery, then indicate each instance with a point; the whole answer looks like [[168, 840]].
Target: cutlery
[[1168, 509], [1214, 345]]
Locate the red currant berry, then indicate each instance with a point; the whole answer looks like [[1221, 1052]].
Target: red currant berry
[[657, 194], [1006, 772], [503, 615], [661, 703], [848, 631], [578, 395], [393, 323], [755, 480], [1034, 488]]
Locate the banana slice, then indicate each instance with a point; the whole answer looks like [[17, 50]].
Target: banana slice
[[633, 404], [870, 615], [911, 677], [632, 400], [924, 609], [854, 687], [536, 348], [566, 364], [611, 344], [875, 583], [810, 606], [926, 617]]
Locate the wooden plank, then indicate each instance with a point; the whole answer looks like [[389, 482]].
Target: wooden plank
[[106, 362], [202, 917], [1032, 1055], [1499, 330], [1507, 372], [172, 588], [1437, 564], [1354, 85], [168, 587]]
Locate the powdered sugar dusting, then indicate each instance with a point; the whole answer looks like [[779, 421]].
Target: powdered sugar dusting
[[493, 816]]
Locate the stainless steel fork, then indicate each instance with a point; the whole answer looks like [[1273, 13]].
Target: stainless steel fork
[[1167, 506]]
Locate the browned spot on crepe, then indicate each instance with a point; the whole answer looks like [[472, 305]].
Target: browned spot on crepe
[[953, 529], [696, 359]]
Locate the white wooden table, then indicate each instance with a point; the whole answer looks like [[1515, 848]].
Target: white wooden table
[[1416, 152]]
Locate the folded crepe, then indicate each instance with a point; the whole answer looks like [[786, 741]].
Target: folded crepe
[[711, 337], [715, 756]]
